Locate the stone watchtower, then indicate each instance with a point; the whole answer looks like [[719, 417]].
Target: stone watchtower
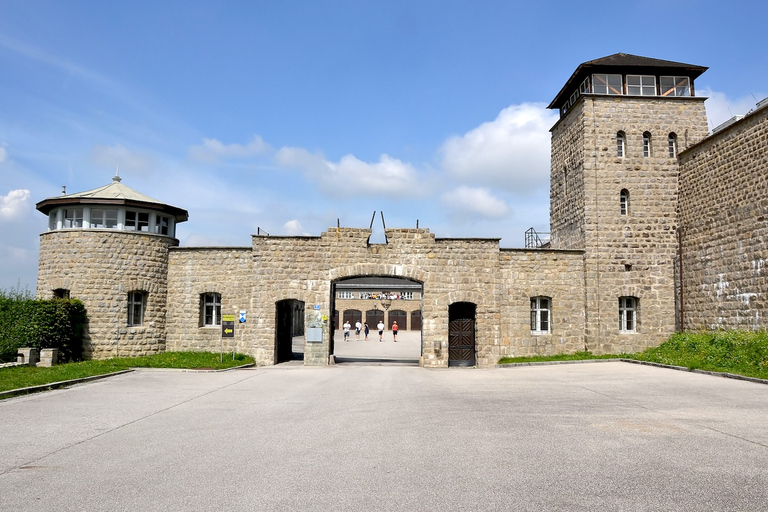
[[109, 248], [614, 188]]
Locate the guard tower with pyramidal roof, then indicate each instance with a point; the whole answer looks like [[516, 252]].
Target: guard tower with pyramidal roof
[[613, 192], [109, 248]]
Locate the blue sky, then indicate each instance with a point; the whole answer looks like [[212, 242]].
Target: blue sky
[[290, 115]]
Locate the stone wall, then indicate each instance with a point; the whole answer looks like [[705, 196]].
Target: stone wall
[[558, 275], [724, 221], [631, 255], [100, 267]]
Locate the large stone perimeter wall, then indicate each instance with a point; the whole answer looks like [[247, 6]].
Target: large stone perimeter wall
[[100, 267], [724, 221]]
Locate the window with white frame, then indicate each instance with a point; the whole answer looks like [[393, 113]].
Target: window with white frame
[[407, 296], [606, 84], [73, 218], [162, 224], [624, 202], [627, 314], [621, 144], [675, 86], [346, 295], [672, 145], [540, 315], [103, 218], [137, 302], [211, 307], [641, 85], [136, 221], [646, 145]]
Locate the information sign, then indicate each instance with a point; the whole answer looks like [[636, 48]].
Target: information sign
[[227, 326]]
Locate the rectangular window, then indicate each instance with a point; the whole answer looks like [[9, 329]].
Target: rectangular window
[[407, 296], [646, 145], [540, 313], [73, 218], [346, 295], [101, 218], [606, 84], [627, 314], [675, 86], [161, 225], [137, 221], [136, 304], [211, 309], [641, 85], [584, 87]]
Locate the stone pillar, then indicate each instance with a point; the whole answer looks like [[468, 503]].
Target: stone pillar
[[49, 357], [27, 356]]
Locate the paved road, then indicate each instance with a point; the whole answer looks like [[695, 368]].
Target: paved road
[[602, 436]]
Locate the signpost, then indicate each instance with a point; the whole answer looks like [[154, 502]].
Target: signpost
[[227, 331]]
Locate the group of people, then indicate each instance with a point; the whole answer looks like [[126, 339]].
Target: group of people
[[364, 327]]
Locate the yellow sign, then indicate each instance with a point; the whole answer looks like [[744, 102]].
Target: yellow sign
[[227, 318]]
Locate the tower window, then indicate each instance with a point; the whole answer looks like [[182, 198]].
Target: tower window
[[646, 145], [101, 218], [73, 218], [624, 202], [675, 86], [627, 314], [672, 145], [621, 144], [137, 302], [540, 315], [606, 84], [641, 85], [136, 221]]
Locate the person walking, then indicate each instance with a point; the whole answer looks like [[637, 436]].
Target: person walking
[[394, 330], [367, 330], [381, 330], [358, 326], [347, 327]]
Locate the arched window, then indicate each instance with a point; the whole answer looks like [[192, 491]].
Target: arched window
[[627, 314], [210, 309], [540, 315], [624, 202], [672, 145], [646, 144], [621, 144]]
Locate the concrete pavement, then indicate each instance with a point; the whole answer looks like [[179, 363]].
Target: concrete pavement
[[602, 436]]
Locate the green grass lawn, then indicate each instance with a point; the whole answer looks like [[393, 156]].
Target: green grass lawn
[[26, 376], [739, 352]]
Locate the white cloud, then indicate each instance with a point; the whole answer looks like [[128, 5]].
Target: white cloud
[[14, 204], [475, 201], [389, 176], [3, 154], [721, 108], [294, 228], [114, 157], [511, 151], [212, 150]]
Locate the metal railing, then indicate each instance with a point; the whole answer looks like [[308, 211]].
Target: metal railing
[[535, 240]]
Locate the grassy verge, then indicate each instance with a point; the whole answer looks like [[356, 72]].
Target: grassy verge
[[26, 376], [738, 352]]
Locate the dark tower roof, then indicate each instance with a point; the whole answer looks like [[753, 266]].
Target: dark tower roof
[[114, 193], [624, 63]]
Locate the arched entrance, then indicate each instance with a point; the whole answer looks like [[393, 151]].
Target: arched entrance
[[289, 330], [374, 300], [461, 334]]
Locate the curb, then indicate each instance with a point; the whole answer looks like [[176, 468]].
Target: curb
[[194, 370], [645, 363], [56, 385]]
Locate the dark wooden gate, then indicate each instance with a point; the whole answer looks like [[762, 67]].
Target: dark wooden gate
[[415, 320], [352, 316], [373, 317], [401, 317], [461, 334]]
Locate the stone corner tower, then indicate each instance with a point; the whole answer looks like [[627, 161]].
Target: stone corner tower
[[109, 248], [614, 188]]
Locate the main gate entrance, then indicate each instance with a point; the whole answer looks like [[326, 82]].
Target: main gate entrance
[[461, 334], [374, 301]]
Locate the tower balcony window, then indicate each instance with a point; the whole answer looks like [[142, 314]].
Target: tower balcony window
[[607, 84], [675, 86], [73, 218], [102, 218], [641, 85]]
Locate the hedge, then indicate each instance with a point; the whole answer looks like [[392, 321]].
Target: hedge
[[55, 323]]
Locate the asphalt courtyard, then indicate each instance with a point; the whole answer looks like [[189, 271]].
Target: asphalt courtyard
[[595, 436]]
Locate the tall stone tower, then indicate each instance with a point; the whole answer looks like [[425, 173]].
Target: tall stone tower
[[109, 248], [614, 185]]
